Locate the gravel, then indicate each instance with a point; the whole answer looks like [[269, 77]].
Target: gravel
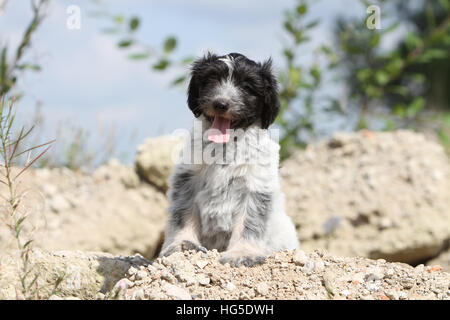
[[284, 276]]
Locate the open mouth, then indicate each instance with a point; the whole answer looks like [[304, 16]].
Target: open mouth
[[221, 126]]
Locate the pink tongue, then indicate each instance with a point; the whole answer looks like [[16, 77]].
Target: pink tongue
[[219, 124]]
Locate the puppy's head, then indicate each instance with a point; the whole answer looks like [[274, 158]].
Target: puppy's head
[[233, 92]]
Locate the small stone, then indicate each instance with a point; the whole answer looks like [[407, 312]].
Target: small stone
[[308, 268], [243, 295], [176, 292], [132, 271], [329, 282], [391, 294], [389, 273], [385, 223], [372, 287], [345, 293], [319, 266], [190, 281], [408, 283], [299, 290], [141, 274], [299, 258], [138, 295], [204, 281], [168, 276], [262, 288], [402, 295], [230, 286], [100, 296], [122, 285], [152, 270], [374, 274], [202, 263]]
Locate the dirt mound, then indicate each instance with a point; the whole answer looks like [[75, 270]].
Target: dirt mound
[[373, 194], [109, 211], [195, 275], [285, 275], [85, 275]]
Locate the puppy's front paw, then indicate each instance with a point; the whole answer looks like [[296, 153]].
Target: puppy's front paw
[[236, 260], [185, 245]]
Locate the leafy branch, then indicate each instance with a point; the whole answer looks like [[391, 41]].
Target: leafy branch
[[9, 71]]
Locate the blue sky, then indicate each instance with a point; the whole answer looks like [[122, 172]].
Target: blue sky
[[88, 82]]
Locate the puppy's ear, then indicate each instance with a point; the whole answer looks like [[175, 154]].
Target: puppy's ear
[[193, 94], [271, 102], [198, 68]]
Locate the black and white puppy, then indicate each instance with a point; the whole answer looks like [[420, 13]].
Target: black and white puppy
[[236, 206]]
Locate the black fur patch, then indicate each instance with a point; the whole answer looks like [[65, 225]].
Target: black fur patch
[[258, 207], [181, 198]]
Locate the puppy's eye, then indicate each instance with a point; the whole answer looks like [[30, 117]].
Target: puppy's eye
[[248, 87]]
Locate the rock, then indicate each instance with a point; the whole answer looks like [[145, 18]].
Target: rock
[[204, 281], [176, 292], [156, 158], [230, 286], [98, 212], [262, 288], [299, 258], [202, 263], [84, 274], [373, 194]]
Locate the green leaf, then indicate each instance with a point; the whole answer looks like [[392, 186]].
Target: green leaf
[[301, 9], [399, 110], [288, 54], [179, 80], [125, 43], [315, 73], [382, 77], [415, 107], [400, 90], [119, 19], [419, 77], [432, 54], [375, 40], [161, 64], [312, 24], [170, 44], [391, 28], [294, 76], [187, 60], [413, 41], [32, 67], [364, 74], [138, 56], [394, 65], [134, 23]]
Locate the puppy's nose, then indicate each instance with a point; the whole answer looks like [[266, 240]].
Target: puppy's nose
[[220, 105]]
